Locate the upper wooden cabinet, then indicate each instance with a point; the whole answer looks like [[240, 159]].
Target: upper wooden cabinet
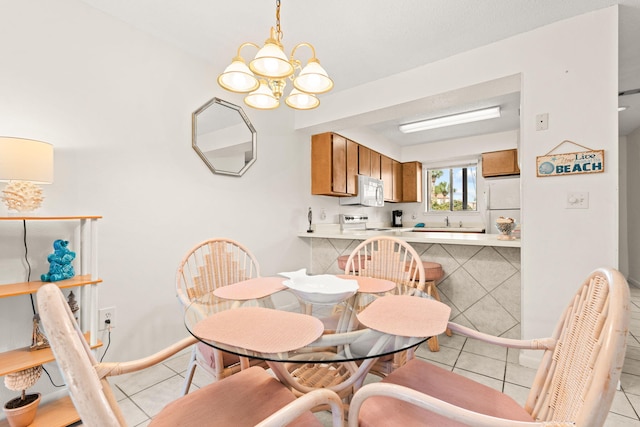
[[386, 173], [334, 165], [364, 160], [376, 162], [337, 161], [412, 182], [397, 182], [369, 162], [500, 163]]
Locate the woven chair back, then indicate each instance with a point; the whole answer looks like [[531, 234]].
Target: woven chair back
[[389, 258], [93, 398], [212, 264], [579, 376]]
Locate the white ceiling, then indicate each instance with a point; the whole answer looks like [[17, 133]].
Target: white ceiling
[[358, 41]]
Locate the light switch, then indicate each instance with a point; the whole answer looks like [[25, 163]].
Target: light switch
[[577, 200]]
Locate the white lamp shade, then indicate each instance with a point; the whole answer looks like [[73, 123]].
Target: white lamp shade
[[238, 78], [271, 62], [302, 101], [26, 160], [313, 79], [262, 98]]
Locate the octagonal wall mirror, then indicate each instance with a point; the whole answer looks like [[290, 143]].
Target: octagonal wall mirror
[[224, 137]]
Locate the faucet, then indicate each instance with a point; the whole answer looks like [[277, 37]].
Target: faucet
[[446, 221]]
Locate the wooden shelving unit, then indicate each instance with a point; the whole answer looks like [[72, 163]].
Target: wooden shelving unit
[[23, 358], [61, 412], [58, 413], [25, 288]]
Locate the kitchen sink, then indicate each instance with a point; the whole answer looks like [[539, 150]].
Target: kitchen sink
[[449, 229]]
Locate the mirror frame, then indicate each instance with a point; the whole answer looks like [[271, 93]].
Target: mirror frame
[[243, 116]]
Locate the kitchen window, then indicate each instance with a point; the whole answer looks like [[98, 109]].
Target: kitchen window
[[451, 189]]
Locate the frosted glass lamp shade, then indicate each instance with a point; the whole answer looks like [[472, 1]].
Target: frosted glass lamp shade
[[271, 62], [302, 101], [313, 79], [238, 78], [262, 98]]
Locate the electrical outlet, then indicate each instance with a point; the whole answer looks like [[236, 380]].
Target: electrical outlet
[[106, 318]]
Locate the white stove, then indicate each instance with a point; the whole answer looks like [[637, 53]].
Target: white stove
[[351, 222]]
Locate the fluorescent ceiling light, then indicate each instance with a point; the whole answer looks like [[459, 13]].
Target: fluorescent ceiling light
[[622, 108], [454, 119]]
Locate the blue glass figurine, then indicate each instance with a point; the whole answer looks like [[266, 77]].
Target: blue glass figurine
[[60, 267]]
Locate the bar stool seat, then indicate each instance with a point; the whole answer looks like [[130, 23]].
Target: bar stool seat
[[433, 273], [342, 263]]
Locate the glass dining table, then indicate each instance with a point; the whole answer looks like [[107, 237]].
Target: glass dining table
[[311, 341]]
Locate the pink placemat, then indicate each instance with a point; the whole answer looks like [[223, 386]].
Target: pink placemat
[[260, 329], [370, 285], [257, 287], [406, 316]]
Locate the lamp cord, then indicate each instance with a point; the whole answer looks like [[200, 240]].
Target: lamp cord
[[108, 344], [33, 305], [26, 258]]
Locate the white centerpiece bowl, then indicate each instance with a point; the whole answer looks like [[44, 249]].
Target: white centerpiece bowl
[[321, 289]]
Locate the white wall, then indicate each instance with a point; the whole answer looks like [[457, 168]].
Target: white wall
[[116, 104], [623, 212], [633, 206], [568, 70]]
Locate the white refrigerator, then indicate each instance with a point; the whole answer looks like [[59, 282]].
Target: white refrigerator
[[502, 198]]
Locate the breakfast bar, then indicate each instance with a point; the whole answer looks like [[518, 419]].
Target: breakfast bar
[[481, 281]]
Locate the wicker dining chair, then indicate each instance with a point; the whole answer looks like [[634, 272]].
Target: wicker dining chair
[[222, 403], [574, 385], [211, 264], [389, 258]]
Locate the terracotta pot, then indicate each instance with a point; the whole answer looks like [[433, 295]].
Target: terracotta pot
[[22, 416]]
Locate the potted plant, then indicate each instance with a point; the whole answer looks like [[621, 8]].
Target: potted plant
[[21, 411]]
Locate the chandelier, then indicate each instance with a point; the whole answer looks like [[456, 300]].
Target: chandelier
[[266, 76]]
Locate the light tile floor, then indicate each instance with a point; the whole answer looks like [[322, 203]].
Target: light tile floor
[[142, 395]]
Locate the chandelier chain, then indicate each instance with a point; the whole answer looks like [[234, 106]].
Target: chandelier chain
[[278, 30]]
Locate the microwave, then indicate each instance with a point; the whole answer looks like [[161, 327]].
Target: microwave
[[370, 193]]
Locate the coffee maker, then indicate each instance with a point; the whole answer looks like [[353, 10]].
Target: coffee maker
[[396, 220]]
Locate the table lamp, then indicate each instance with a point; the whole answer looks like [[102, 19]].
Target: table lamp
[[24, 163]]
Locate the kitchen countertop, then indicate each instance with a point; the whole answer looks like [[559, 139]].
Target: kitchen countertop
[[455, 238]]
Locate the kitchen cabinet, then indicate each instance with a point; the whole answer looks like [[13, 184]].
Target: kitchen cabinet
[[500, 163], [391, 175], [60, 412], [386, 174], [334, 165], [396, 195], [337, 161], [412, 182], [376, 161], [364, 160]]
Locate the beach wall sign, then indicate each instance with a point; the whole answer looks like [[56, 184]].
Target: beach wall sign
[[589, 161]]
